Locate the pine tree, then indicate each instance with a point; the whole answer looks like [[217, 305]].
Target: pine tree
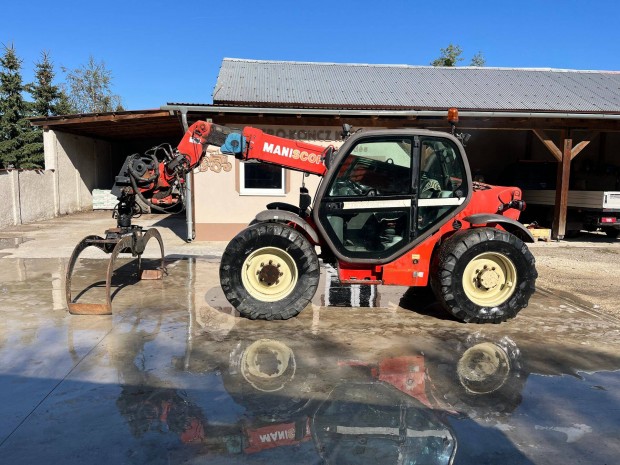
[[49, 100], [63, 105], [43, 90], [45, 94], [12, 108]]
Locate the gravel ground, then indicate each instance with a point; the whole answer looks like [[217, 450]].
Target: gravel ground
[[585, 269]]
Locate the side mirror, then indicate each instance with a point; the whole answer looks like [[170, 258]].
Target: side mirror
[[328, 156], [346, 131]]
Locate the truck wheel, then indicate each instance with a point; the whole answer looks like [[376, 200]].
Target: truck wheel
[[269, 271], [612, 232], [484, 275]]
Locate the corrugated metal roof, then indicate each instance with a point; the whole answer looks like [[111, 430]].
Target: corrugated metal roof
[[329, 85]]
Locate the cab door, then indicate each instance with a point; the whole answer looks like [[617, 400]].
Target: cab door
[[368, 208]]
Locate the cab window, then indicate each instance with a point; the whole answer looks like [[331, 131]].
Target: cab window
[[442, 181]]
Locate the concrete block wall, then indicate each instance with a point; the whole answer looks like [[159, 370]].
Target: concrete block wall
[[74, 166], [7, 194], [28, 196]]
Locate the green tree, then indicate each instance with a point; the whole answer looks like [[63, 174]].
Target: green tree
[[46, 96], [13, 108], [89, 89], [450, 56], [63, 104], [478, 60], [45, 93]]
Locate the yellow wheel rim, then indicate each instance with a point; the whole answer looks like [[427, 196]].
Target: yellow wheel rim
[[269, 274], [489, 279]]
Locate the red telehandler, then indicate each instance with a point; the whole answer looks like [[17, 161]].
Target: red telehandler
[[394, 207]]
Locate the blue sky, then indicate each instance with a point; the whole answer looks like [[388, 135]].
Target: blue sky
[[163, 51]]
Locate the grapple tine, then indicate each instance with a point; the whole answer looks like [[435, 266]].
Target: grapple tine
[[89, 309], [114, 245], [158, 273], [83, 308]]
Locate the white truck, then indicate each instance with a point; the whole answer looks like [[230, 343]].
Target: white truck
[[587, 210]]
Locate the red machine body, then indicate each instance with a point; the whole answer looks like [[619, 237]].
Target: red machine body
[[288, 153], [389, 202]]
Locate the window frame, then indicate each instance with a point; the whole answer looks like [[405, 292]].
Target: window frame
[[266, 192]]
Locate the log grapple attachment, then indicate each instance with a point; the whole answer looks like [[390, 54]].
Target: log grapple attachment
[[123, 239]]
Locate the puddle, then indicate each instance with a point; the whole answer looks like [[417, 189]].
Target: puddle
[[175, 376], [12, 242]]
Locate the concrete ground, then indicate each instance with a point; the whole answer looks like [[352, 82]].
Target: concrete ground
[[174, 376]]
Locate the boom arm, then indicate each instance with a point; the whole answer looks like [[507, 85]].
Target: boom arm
[[158, 176]]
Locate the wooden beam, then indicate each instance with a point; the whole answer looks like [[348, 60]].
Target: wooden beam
[[546, 140], [558, 230], [100, 118], [583, 144]]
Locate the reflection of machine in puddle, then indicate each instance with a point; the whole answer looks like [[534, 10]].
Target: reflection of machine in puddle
[[375, 424], [313, 397]]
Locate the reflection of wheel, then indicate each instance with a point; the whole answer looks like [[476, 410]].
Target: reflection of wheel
[[263, 377], [483, 368], [612, 232], [484, 275], [487, 379], [269, 271], [267, 365]]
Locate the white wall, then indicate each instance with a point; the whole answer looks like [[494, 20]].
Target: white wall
[[80, 165]]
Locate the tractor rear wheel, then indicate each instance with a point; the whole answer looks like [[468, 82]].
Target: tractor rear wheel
[[484, 275], [269, 271]]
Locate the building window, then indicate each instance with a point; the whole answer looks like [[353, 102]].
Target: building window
[[261, 179]]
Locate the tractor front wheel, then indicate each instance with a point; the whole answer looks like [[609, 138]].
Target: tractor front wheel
[[484, 275], [269, 271]]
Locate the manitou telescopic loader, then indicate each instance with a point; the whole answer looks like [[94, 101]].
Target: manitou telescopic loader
[[394, 207]]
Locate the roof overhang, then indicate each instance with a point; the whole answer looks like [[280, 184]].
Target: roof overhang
[[126, 125], [470, 119], [396, 113]]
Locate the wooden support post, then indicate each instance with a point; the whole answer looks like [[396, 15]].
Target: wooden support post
[[564, 157], [558, 230]]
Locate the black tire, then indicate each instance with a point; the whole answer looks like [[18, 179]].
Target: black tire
[[256, 297], [509, 289], [612, 232]]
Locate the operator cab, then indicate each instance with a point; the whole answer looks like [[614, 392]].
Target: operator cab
[[386, 192]]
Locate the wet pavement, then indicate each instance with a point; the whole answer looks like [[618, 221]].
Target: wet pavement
[[174, 376]]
